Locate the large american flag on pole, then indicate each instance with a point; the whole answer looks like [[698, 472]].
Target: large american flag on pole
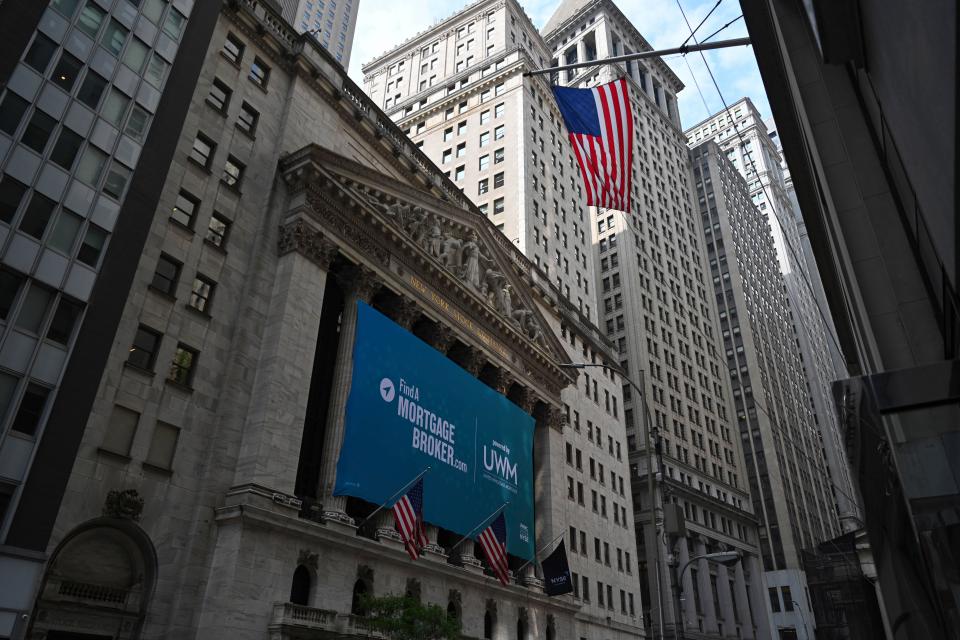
[[408, 512], [600, 123], [493, 540]]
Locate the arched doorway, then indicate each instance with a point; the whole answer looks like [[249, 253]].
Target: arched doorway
[[98, 583]]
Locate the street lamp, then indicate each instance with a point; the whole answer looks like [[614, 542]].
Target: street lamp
[[726, 558], [646, 439]]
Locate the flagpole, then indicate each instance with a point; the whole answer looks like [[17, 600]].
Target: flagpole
[[398, 493], [539, 551], [482, 522], [703, 46]]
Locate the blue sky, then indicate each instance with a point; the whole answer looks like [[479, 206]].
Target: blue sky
[[381, 26]]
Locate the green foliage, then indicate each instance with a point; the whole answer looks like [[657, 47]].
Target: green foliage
[[404, 618]]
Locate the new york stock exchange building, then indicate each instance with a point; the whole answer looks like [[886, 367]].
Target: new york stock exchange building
[[305, 330]]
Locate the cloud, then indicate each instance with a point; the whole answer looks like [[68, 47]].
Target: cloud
[[381, 26]]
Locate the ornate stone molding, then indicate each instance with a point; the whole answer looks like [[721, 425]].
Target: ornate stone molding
[[312, 244], [555, 418], [502, 380], [360, 282], [473, 361], [404, 311], [440, 337]]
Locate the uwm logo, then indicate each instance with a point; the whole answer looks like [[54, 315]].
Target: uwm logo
[[498, 463]]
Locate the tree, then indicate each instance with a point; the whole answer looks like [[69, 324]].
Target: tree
[[404, 618]]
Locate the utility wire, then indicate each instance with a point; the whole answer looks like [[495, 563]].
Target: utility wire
[[786, 241], [766, 193], [701, 23], [722, 28]]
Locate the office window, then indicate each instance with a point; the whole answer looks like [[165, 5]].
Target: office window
[[485, 116], [91, 90], [499, 110], [202, 151], [37, 215], [484, 162], [219, 97], [120, 430], [184, 209], [248, 119], [163, 445], [38, 131], [11, 112], [483, 186], [115, 107], [34, 309], [201, 294], [459, 173], [166, 275], [64, 321], [259, 73], [114, 36], [498, 156], [92, 246], [498, 180], [484, 138], [135, 55], [774, 599], [183, 365], [90, 19], [461, 149], [91, 165], [66, 72], [787, 598], [31, 408], [116, 182], [40, 52], [498, 132], [498, 205], [448, 134], [217, 230], [233, 49], [137, 123], [66, 149], [173, 25], [11, 194], [143, 352], [233, 172]]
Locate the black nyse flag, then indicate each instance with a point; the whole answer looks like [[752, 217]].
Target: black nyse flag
[[556, 572]]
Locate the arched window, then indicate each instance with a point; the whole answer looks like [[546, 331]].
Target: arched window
[[522, 629], [300, 588], [551, 634], [488, 625], [452, 610], [359, 593]]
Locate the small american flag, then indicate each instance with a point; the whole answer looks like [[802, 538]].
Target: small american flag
[[408, 512], [493, 540], [600, 123]]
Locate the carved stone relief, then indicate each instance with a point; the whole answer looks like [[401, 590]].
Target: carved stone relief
[[462, 253]]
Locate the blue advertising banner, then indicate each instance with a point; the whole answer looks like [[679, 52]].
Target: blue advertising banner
[[411, 407]]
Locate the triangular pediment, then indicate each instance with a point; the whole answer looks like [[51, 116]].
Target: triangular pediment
[[438, 238]]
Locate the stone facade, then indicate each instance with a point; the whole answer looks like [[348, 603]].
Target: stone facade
[[191, 511]]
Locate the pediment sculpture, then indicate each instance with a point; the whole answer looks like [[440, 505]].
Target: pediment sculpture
[[466, 257]]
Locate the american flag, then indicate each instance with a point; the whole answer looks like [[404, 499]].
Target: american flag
[[408, 512], [600, 123], [493, 540]]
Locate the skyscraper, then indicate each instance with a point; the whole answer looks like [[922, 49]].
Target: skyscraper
[[789, 481], [458, 90], [87, 119], [331, 22], [743, 136], [184, 483]]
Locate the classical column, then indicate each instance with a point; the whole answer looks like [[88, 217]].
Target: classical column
[[725, 614], [359, 285], [741, 597], [274, 420], [404, 312], [441, 338], [706, 590], [468, 550]]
